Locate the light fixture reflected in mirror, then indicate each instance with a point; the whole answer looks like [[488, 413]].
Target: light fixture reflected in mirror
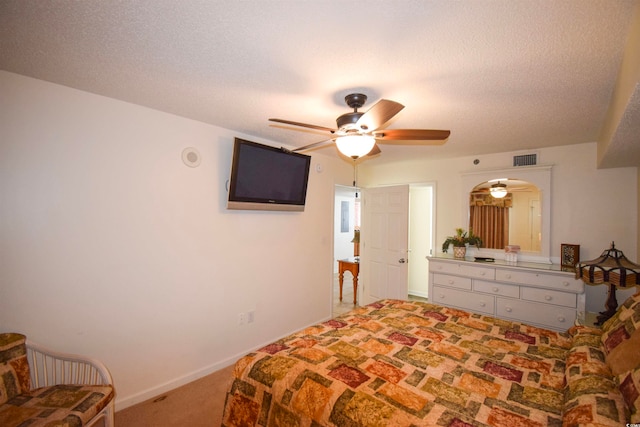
[[498, 190], [355, 146]]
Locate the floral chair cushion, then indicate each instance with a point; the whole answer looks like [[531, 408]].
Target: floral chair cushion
[[56, 406], [14, 367], [53, 406]]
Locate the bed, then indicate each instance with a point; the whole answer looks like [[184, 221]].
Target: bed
[[404, 363]]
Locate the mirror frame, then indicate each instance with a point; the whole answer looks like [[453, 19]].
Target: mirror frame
[[538, 175]]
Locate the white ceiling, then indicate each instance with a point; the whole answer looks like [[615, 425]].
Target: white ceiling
[[502, 75]]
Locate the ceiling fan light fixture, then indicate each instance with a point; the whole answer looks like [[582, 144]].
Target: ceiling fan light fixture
[[355, 146], [498, 190], [358, 133]]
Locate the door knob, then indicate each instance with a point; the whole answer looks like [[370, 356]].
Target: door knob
[[402, 260]]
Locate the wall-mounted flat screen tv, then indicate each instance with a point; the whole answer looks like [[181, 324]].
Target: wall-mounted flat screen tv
[[267, 178]]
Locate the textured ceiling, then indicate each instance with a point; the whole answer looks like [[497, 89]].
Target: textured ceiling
[[502, 75]]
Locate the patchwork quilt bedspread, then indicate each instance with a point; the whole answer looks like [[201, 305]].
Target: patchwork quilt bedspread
[[399, 363]]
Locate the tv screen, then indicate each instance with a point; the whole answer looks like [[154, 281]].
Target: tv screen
[[267, 178]]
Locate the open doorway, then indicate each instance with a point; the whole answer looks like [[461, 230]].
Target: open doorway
[[421, 237], [421, 222], [345, 245], [346, 222]]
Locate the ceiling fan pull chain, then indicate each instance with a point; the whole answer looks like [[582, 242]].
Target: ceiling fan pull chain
[[355, 177]]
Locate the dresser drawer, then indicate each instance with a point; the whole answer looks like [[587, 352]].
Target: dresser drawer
[[462, 269], [545, 280], [465, 300], [552, 316], [496, 288], [548, 296], [453, 281]]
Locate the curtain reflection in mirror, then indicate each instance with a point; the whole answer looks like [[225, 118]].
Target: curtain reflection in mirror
[[512, 220], [489, 219]]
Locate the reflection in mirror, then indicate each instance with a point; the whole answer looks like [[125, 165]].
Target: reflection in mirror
[[540, 241], [503, 219]]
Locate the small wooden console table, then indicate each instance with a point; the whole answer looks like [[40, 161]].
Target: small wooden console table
[[352, 265]]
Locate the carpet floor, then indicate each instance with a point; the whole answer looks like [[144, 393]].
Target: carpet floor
[[197, 404], [201, 402]]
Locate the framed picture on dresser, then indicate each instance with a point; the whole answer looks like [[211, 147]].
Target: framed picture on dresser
[[569, 256]]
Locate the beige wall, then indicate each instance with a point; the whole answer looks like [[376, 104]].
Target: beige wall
[[113, 248], [617, 144], [589, 206]]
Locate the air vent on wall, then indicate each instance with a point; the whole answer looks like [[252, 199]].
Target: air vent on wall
[[525, 160]]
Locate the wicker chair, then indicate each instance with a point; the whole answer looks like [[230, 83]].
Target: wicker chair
[[39, 386]]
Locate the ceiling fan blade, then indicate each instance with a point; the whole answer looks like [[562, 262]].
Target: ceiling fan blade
[[412, 135], [305, 125], [315, 144], [379, 114]]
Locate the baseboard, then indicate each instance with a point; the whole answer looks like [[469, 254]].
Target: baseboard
[[149, 393], [152, 392]]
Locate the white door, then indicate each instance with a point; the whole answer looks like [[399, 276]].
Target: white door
[[384, 238]]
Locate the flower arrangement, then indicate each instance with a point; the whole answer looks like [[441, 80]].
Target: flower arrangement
[[461, 239]]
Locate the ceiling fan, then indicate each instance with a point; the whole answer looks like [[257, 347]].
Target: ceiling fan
[[357, 133], [499, 189]]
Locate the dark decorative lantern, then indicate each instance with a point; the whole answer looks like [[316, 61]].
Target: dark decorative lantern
[[614, 269]]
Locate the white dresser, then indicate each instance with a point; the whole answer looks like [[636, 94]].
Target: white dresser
[[538, 294]]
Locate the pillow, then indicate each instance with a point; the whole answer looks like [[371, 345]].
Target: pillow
[[618, 330], [625, 314], [14, 367], [625, 356], [597, 404], [591, 393], [630, 389], [585, 335]]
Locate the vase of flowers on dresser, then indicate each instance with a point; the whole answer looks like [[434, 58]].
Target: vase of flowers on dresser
[[460, 241]]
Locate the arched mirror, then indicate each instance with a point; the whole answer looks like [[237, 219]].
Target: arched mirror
[[506, 211], [510, 207]]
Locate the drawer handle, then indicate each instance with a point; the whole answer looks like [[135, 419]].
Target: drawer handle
[[508, 309], [548, 297], [451, 282], [565, 283], [483, 304], [495, 289], [561, 319], [508, 276], [441, 296], [483, 273]]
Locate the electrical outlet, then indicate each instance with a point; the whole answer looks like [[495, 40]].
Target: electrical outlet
[[241, 318], [251, 316]]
